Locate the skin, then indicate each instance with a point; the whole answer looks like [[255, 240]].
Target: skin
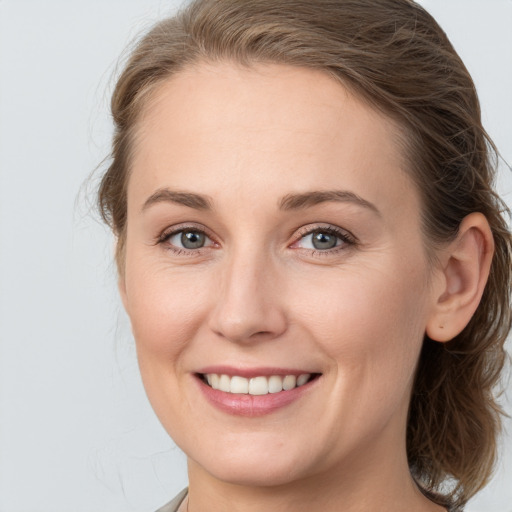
[[259, 294]]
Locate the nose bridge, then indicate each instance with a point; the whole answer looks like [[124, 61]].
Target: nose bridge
[[247, 304]]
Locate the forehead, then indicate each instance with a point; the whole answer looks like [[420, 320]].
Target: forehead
[[267, 128]]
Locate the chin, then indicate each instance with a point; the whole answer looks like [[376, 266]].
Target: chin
[[263, 474], [255, 465]]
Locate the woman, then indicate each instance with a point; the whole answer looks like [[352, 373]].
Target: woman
[[314, 262]]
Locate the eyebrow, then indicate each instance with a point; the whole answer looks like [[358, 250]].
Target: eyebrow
[[308, 199], [165, 195], [288, 202]]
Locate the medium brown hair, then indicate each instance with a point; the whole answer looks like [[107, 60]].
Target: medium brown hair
[[393, 55]]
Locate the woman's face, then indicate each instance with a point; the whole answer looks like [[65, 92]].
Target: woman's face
[[273, 240]]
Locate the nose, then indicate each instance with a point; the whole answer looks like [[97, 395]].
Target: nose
[[249, 304]]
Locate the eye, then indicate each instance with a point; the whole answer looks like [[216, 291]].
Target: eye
[[189, 239], [321, 240], [324, 239]]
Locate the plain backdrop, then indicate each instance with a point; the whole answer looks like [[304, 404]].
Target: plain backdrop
[[76, 432]]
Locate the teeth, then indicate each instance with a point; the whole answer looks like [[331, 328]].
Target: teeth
[[257, 385], [289, 382], [275, 384], [225, 383], [213, 380], [239, 385], [302, 379]]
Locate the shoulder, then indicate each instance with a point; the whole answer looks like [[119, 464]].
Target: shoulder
[[173, 505]]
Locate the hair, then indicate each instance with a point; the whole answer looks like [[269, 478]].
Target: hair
[[393, 55]]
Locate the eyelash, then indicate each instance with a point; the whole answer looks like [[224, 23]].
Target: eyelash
[[166, 235], [347, 239]]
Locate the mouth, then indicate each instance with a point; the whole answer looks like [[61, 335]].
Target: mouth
[[258, 385], [255, 391]]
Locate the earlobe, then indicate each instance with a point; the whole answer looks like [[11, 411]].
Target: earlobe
[[466, 263]]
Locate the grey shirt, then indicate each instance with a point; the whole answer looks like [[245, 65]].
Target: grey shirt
[[174, 505]]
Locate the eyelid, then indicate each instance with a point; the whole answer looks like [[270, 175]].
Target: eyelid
[[311, 228], [170, 231], [345, 236]]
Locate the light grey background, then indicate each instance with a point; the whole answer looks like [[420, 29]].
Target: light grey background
[[76, 432]]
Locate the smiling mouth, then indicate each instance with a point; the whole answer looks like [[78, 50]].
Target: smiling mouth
[[256, 386]]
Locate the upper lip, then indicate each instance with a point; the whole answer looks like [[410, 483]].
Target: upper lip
[[249, 372]]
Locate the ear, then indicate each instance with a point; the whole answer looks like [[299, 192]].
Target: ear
[[465, 266]]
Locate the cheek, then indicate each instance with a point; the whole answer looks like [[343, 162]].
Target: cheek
[[165, 308], [371, 324]]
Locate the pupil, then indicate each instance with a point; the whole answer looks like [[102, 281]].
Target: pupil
[[323, 240], [192, 239]]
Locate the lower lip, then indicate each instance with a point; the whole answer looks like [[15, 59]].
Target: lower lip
[[252, 405]]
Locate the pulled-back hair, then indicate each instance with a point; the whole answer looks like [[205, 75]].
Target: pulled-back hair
[[393, 55]]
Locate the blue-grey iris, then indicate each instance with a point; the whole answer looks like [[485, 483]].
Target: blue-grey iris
[[323, 240], [192, 239]]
